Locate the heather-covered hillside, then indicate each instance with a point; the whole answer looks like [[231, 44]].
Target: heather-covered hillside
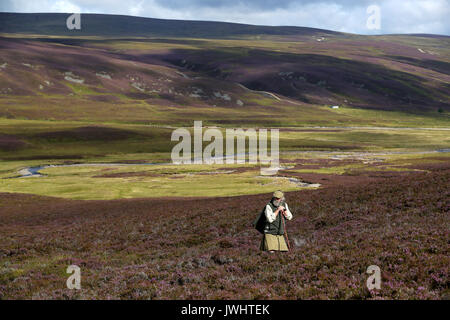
[[206, 248], [234, 74]]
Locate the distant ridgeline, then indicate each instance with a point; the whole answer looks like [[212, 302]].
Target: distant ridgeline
[[120, 25]]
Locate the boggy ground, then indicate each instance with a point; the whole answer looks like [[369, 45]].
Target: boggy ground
[[197, 248]]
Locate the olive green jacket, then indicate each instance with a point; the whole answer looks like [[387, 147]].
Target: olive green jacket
[[274, 225]]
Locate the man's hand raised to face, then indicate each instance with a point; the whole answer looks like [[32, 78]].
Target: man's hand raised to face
[[281, 209]]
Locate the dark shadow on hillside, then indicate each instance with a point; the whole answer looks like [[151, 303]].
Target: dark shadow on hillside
[[121, 25], [436, 65], [318, 77]]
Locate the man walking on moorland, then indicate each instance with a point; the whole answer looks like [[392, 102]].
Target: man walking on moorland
[[275, 213]]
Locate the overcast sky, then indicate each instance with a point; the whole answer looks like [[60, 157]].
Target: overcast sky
[[397, 16]]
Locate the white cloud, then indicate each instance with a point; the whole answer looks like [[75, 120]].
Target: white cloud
[[65, 6], [136, 10]]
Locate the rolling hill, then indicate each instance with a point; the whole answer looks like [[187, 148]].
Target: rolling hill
[[132, 69], [125, 26]]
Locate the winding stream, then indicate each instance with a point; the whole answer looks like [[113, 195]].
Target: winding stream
[[33, 172]]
